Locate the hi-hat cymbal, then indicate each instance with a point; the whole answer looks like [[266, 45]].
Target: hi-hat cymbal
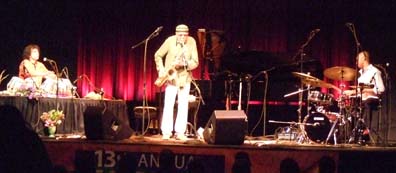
[[340, 73]]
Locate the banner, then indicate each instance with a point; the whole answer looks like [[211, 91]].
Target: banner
[[107, 161]]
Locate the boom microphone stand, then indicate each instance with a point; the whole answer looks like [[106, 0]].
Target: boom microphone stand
[[145, 104], [57, 74], [357, 131], [388, 100], [351, 27], [302, 54]]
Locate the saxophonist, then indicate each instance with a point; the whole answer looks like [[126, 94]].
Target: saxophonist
[[181, 57]]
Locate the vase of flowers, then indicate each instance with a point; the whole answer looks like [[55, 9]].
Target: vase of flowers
[[51, 119]]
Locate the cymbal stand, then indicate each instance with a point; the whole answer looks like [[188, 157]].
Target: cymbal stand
[[302, 137], [360, 126], [340, 119]]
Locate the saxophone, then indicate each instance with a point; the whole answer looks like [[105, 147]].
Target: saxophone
[[170, 75], [170, 72]]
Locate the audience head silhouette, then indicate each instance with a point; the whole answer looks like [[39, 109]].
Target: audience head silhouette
[[22, 149]]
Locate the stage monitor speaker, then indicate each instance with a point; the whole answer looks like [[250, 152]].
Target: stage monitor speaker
[[101, 124], [226, 127]]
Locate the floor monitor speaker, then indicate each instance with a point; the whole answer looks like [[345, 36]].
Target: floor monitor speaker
[[102, 124], [226, 127]]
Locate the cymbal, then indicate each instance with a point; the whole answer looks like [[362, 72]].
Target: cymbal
[[340, 73], [304, 76], [313, 81], [318, 83]]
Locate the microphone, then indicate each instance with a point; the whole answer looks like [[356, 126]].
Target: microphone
[[315, 30], [159, 29], [246, 77], [47, 59], [382, 65], [180, 43], [348, 24]]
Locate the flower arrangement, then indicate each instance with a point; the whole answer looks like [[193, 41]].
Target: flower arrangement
[[52, 117]]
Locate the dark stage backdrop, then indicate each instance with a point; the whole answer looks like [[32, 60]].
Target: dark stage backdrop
[[95, 38], [106, 32]]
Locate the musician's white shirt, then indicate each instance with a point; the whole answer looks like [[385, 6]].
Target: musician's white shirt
[[371, 75]]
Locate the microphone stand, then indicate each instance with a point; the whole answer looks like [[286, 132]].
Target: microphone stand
[[55, 68], [3, 77], [351, 27], [303, 137], [388, 101], [263, 115], [388, 107], [145, 104], [302, 54], [359, 124]]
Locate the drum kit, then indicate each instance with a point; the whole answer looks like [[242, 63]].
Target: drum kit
[[322, 123]]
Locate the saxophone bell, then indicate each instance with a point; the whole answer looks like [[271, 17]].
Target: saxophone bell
[[170, 75]]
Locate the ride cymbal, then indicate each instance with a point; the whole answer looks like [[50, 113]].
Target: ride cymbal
[[340, 73]]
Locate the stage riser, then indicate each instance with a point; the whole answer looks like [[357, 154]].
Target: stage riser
[[147, 157]]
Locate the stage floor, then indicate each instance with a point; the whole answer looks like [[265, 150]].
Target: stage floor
[[151, 154]]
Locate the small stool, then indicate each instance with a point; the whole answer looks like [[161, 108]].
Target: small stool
[[149, 112]]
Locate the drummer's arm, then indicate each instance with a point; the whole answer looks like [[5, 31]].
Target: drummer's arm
[[366, 92], [350, 92]]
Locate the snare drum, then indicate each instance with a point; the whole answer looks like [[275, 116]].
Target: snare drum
[[320, 98], [317, 126], [353, 101]]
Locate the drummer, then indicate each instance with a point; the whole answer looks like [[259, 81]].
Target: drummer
[[31, 69], [370, 80], [370, 85]]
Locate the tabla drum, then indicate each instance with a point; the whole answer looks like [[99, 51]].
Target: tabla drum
[[16, 84], [48, 87], [317, 126], [65, 88], [320, 98]]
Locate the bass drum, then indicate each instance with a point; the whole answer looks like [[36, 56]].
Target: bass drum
[[317, 126]]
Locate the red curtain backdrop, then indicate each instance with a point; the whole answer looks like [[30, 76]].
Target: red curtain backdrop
[[106, 32]]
